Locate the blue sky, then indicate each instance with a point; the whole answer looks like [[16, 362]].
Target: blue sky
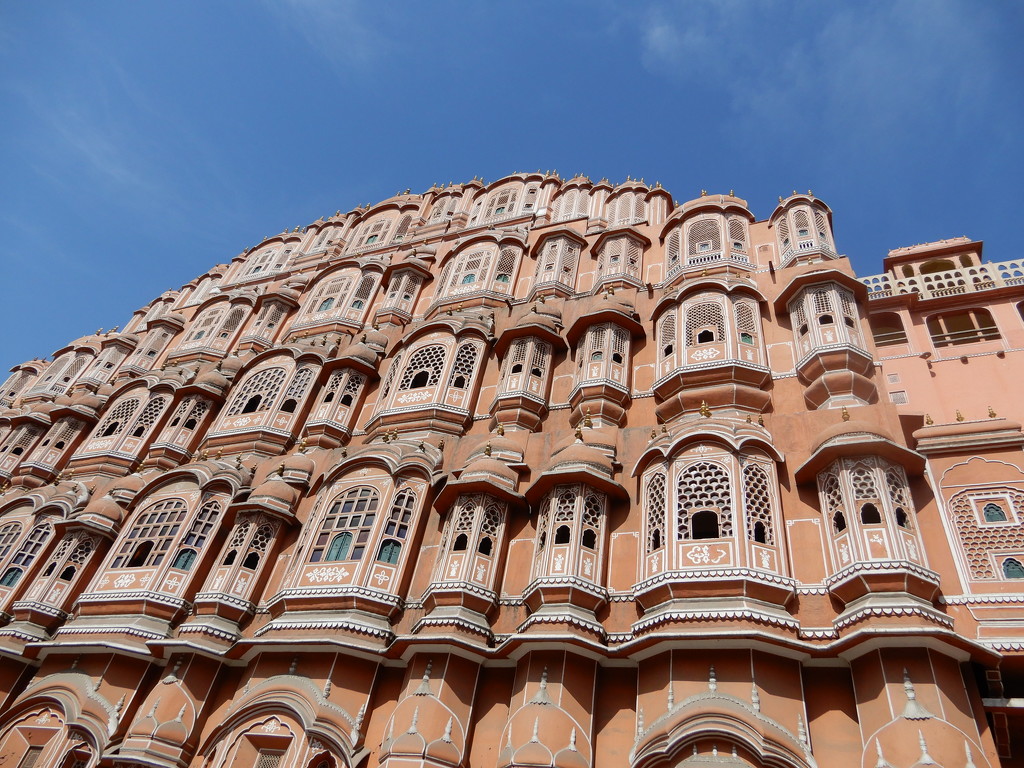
[[143, 142]]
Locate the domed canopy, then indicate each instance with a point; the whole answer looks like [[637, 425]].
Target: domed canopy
[[857, 438]]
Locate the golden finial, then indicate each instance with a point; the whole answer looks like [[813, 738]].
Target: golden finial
[[500, 429], [732, 193], [928, 419], [98, 331], [664, 429], [487, 450], [385, 437], [587, 421], [280, 469], [654, 434], [704, 410], [811, 194], [760, 420], [749, 419], [780, 198], [579, 435], [238, 462], [421, 447], [846, 414], [220, 452], [440, 445], [703, 193], [704, 272], [959, 416], [991, 412], [204, 455]]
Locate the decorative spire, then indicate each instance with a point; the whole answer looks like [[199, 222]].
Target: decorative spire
[[928, 419], [959, 416], [447, 735], [925, 758], [755, 698], [846, 414], [424, 689], [415, 721], [991, 412], [712, 679], [535, 738], [913, 710], [881, 758], [704, 410], [572, 741], [970, 755], [671, 697], [542, 697]]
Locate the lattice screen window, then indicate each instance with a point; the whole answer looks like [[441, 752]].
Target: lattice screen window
[[13, 386], [784, 232], [155, 341], [148, 417], [985, 545], [297, 388], [258, 392], [502, 203], [667, 336], [570, 205], [619, 256], [424, 368], [746, 323], [328, 296], [737, 234], [402, 289], [209, 320], [464, 366], [656, 507], [270, 317], [114, 423], [267, 759], [703, 236], [198, 533], [345, 382], [443, 209], [31, 757], [77, 559], [757, 502], [673, 253], [231, 322], [321, 239], [150, 538], [469, 272], [705, 323], [506, 269], [9, 534], [189, 413], [61, 433], [899, 495], [258, 263], [375, 232], [26, 554], [530, 199], [822, 227], [703, 490], [802, 223], [345, 530], [363, 291], [402, 230], [392, 374]]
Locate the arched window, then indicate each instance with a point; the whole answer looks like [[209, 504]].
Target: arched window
[[10, 577], [757, 502], [704, 525], [461, 543], [887, 329], [424, 368], [562, 534], [869, 515], [115, 421], [1012, 568], [8, 536], [994, 513], [703, 237], [148, 416], [389, 552], [962, 327], [354, 512], [839, 522], [157, 528], [184, 559], [656, 507], [705, 323], [464, 365], [339, 548], [31, 547], [400, 516], [703, 487], [251, 561], [258, 391]]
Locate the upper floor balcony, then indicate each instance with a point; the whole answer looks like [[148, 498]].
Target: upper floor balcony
[[954, 282]]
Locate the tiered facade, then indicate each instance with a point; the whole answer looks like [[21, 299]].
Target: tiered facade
[[540, 472]]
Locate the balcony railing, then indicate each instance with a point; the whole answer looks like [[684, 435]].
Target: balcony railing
[[983, 277]]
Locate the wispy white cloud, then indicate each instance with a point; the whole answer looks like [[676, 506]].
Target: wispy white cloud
[[881, 65], [337, 30]]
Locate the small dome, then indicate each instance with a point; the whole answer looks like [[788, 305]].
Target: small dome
[[360, 351], [86, 399], [132, 483], [374, 338], [570, 758], [276, 489], [579, 452], [532, 753], [172, 732], [491, 469], [852, 428], [105, 508], [213, 378], [408, 744], [299, 462], [444, 752]]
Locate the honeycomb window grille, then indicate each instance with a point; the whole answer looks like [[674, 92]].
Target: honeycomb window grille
[[231, 322], [746, 323], [346, 527], [258, 392], [700, 488], [148, 541], [115, 422], [656, 507], [980, 541], [703, 237], [737, 235], [464, 366], [862, 480], [667, 339], [364, 290], [424, 368], [757, 503], [402, 230], [801, 222], [298, 386], [145, 421], [61, 434], [705, 323]]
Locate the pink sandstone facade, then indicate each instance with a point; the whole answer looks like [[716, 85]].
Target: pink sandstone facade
[[540, 472]]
